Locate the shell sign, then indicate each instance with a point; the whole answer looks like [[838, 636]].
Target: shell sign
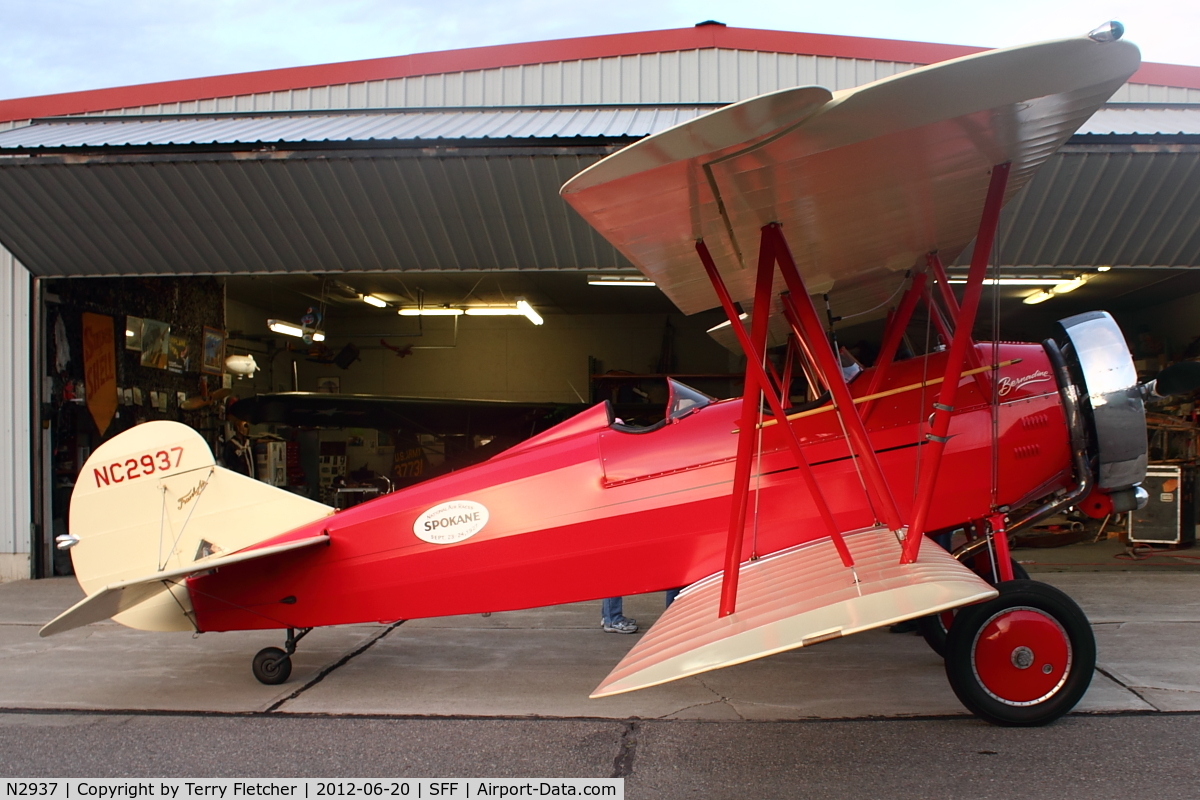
[[99, 369]]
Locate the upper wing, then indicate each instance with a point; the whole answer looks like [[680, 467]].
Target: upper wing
[[864, 182]]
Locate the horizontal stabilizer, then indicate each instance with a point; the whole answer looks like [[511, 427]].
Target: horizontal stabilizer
[[123, 595], [791, 599]]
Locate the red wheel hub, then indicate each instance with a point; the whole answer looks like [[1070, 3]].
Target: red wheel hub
[[1022, 656]]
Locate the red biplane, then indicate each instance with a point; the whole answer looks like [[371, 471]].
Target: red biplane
[[788, 525]]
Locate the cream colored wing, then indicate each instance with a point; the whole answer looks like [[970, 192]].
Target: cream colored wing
[[864, 183], [792, 599]]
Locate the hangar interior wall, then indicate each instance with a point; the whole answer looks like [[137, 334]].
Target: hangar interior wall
[[15, 399], [496, 358]]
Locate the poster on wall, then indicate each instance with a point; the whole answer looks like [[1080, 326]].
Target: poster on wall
[[99, 369], [212, 357], [178, 355], [156, 339], [133, 333]]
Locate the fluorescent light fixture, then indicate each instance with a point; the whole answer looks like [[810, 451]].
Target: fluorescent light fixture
[[1013, 281], [1069, 285], [619, 280], [521, 309], [528, 311], [493, 311], [288, 329], [724, 324], [1038, 297], [372, 300]]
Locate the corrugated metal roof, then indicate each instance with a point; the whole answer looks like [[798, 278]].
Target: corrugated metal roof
[[1144, 119], [1100, 205], [508, 124], [409, 211], [593, 122], [301, 212]]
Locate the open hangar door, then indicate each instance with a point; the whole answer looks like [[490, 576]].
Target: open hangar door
[[205, 244], [279, 215]]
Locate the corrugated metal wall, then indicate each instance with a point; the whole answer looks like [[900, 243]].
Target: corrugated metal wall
[[15, 398], [690, 76]]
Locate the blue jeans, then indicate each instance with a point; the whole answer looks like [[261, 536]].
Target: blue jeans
[[611, 610]]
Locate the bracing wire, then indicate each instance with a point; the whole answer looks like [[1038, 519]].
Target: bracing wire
[[994, 403], [887, 302], [757, 477], [183, 527]]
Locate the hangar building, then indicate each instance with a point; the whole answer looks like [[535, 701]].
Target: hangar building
[[216, 204]]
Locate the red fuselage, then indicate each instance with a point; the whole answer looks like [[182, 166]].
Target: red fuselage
[[585, 511]]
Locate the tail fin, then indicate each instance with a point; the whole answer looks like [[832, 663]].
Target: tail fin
[[152, 502]]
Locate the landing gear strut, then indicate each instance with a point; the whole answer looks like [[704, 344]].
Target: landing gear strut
[[273, 666]]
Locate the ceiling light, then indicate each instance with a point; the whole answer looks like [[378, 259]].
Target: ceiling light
[[493, 311], [430, 311], [1013, 281], [372, 300], [290, 329], [528, 311], [521, 309], [1069, 285], [619, 280], [1038, 297], [1103, 268], [725, 324]]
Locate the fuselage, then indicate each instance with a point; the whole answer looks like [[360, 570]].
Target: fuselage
[[589, 510]]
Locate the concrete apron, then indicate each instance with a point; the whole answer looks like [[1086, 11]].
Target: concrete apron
[[544, 662]]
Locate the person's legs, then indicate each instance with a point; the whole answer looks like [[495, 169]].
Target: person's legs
[[613, 620], [611, 609]]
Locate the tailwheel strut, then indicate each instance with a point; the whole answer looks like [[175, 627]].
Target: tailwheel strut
[[1021, 659], [272, 665]]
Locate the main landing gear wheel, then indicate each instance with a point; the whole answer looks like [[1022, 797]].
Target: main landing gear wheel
[[1024, 658], [935, 626], [272, 666]]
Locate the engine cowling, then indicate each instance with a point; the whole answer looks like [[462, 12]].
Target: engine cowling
[[1098, 357]]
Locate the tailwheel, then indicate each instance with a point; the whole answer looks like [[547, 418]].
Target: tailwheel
[[272, 666], [935, 626], [1024, 658]]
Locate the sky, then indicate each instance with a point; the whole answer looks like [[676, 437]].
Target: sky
[[52, 46]]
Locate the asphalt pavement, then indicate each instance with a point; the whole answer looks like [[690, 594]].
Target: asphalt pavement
[[506, 696]]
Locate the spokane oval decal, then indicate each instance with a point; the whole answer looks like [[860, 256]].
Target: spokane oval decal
[[451, 522]]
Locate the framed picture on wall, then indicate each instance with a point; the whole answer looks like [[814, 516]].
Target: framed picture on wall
[[179, 355], [133, 333], [156, 338], [212, 357]]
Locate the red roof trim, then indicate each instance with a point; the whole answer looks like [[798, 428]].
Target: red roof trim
[[506, 55]]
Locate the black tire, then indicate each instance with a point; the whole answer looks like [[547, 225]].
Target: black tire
[[271, 666], [935, 626], [1022, 659], [934, 629]]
